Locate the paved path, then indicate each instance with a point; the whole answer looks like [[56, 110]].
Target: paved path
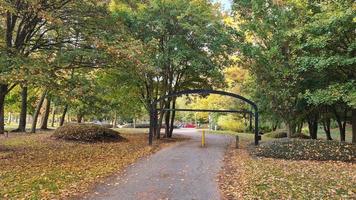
[[182, 172]]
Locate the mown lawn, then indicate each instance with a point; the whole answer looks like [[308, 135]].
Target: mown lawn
[[248, 177], [335, 134], [38, 167]]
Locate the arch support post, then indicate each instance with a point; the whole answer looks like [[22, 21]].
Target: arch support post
[[250, 119], [257, 136]]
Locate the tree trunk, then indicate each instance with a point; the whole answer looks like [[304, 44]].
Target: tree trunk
[[155, 123], [114, 123], [79, 118], [53, 115], [342, 125], [61, 121], [167, 122], [3, 92], [342, 132], [300, 127], [326, 126], [172, 118], [353, 126], [159, 126], [160, 121], [291, 129], [44, 125], [313, 125], [23, 114], [274, 126], [167, 119], [37, 112]]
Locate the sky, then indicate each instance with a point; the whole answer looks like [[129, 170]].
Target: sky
[[225, 4]]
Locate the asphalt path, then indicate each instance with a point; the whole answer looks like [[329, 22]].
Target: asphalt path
[[184, 171]]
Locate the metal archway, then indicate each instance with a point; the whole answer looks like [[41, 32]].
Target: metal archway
[[154, 113]]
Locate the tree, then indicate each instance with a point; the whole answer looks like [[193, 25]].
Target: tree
[[328, 58], [265, 46], [32, 31], [296, 52], [186, 44]]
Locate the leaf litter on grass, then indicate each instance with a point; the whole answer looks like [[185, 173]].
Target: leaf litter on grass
[[245, 176]]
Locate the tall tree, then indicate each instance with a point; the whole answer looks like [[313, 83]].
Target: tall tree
[[186, 45], [266, 48], [44, 37]]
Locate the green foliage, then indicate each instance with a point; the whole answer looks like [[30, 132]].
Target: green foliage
[[185, 44], [301, 56], [86, 133], [339, 92]]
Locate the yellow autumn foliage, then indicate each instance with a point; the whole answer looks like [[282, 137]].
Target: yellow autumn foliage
[[231, 123]]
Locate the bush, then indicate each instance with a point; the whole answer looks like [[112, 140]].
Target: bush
[[299, 149], [86, 133], [277, 134], [231, 123], [301, 136], [265, 128], [283, 134]]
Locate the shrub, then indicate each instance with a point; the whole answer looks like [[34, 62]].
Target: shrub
[[277, 134], [86, 133], [283, 134], [231, 123], [265, 128], [298, 149], [301, 136]]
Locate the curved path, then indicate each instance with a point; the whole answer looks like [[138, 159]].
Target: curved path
[[182, 171]]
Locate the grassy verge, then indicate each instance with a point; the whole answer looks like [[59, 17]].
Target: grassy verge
[[248, 177], [38, 167], [247, 136], [335, 134]]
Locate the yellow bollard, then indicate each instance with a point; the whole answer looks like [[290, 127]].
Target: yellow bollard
[[203, 139]]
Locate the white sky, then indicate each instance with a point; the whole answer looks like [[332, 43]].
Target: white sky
[[225, 4]]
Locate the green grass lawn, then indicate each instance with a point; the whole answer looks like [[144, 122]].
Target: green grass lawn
[[335, 134]]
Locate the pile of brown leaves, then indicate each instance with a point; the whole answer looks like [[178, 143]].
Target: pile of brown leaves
[[249, 177], [86, 133], [299, 149]]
